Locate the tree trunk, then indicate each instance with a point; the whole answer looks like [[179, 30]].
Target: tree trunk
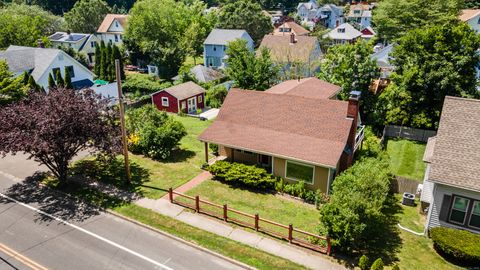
[[62, 172]]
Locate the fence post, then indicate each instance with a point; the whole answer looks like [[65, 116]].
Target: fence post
[[256, 222], [225, 212], [290, 233], [329, 246], [197, 204], [170, 194]]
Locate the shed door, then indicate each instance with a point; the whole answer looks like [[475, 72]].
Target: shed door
[[192, 105]]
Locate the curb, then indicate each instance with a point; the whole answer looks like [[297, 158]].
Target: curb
[[218, 255]]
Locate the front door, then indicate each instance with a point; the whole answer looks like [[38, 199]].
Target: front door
[[192, 105]]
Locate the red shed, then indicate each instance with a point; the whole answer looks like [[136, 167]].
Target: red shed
[[186, 97]]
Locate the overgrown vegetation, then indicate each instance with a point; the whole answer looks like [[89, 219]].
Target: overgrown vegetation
[[460, 246], [138, 85], [153, 133], [216, 95]]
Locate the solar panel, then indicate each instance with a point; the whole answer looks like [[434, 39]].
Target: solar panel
[[76, 37], [56, 37]]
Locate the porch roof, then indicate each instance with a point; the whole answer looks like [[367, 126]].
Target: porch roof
[[309, 130]]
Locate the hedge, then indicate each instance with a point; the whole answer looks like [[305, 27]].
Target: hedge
[[461, 245], [251, 176]]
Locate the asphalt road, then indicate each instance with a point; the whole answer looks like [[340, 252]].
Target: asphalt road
[[54, 232]]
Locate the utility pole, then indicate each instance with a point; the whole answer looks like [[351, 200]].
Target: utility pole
[[122, 119]]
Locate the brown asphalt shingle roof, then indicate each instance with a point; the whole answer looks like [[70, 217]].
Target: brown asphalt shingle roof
[[296, 29], [304, 129], [108, 20], [184, 90], [308, 88], [282, 51], [456, 156], [467, 14]]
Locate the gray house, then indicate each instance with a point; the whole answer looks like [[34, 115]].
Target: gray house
[[215, 46], [451, 188]]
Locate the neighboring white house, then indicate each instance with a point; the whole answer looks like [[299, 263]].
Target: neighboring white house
[[84, 43], [383, 59], [307, 11], [361, 15], [112, 28], [451, 187], [39, 62], [344, 33], [472, 18], [215, 46]]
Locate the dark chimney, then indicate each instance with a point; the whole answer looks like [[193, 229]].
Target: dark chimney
[[40, 43], [292, 38], [353, 105]]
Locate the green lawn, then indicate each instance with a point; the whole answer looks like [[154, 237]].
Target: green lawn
[[189, 61], [416, 252], [406, 158], [153, 178], [268, 206]]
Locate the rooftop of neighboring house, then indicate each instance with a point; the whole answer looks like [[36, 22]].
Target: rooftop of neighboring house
[[468, 14], [304, 129], [290, 27], [109, 19], [183, 91], [333, 8], [307, 87], [456, 154], [383, 56], [344, 31], [360, 10], [309, 5], [368, 32], [68, 37], [224, 36], [30, 59], [203, 74], [282, 49]]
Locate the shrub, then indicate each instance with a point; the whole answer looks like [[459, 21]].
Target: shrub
[[396, 267], [377, 264], [153, 133], [216, 96], [142, 84], [363, 263], [356, 211], [460, 245], [246, 175]]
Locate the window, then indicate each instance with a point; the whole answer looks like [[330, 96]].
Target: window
[[341, 30], [116, 38], [93, 44], [72, 72], [200, 99], [299, 172], [478, 22], [214, 48], [475, 215], [459, 210], [165, 101], [116, 23], [55, 70]]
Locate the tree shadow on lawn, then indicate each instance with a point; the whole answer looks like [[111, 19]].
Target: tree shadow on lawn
[[49, 200], [179, 155], [112, 172]]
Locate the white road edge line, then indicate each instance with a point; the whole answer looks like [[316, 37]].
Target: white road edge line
[[89, 233]]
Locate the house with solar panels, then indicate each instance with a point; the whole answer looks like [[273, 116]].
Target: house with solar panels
[[83, 43]]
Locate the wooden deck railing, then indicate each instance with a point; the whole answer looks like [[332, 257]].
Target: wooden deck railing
[[288, 232]]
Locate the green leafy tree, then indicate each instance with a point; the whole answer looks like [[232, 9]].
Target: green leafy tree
[[23, 25], [216, 96], [152, 132], [86, 15], [356, 212], [11, 89], [116, 54], [26, 76], [247, 70], [68, 79], [351, 67], [156, 32], [98, 58], [32, 85], [431, 63], [51, 81], [393, 18], [247, 15], [59, 79], [109, 65], [79, 56]]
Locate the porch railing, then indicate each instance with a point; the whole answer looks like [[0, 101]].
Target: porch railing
[[359, 137], [287, 232]]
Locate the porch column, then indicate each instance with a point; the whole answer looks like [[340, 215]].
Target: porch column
[[206, 152]]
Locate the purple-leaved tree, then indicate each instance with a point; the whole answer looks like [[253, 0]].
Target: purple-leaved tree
[[52, 128]]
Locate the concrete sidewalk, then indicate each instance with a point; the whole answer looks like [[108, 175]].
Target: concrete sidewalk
[[309, 259]]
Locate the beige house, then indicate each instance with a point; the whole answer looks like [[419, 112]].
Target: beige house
[[112, 28], [297, 56], [295, 131]]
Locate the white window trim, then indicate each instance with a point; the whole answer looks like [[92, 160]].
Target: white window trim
[[200, 99], [472, 214], [303, 164], [466, 211], [165, 102]]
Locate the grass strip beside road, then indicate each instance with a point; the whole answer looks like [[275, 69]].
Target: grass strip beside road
[[230, 248]]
